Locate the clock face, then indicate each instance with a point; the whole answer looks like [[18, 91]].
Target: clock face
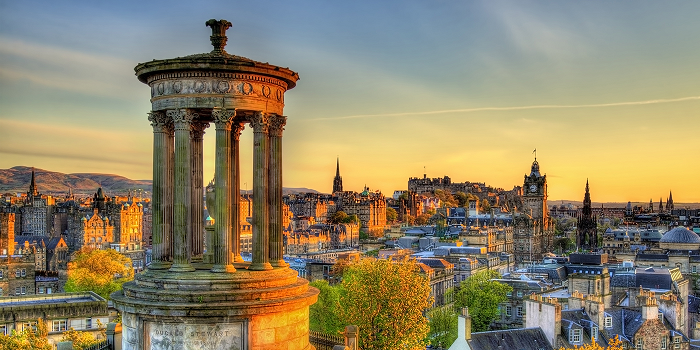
[[533, 188]]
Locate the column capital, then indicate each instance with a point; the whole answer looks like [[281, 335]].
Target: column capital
[[260, 122], [198, 129], [158, 120], [277, 123], [223, 117], [182, 118], [236, 129]]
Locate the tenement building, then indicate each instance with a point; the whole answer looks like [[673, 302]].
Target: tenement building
[[195, 299]]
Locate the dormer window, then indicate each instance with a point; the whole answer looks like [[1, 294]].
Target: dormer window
[[575, 336], [608, 322]]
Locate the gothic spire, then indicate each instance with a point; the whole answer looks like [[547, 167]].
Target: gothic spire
[[32, 186], [337, 181]]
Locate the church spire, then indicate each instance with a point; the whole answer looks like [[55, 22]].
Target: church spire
[[33, 192], [337, 181]]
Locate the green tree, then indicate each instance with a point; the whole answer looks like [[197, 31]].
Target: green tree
[[100, 271], [81, 340], [443, 326], [391, 214], [338, 217], [386, 300], [481, 294], [323, 314], [28, 339]]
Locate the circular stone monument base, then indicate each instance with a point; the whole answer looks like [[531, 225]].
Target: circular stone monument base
[[246, 309]]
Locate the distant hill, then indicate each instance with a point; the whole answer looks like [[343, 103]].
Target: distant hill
[[17, 179]]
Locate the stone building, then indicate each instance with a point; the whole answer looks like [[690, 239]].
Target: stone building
[[61, 312], [17, 274], [496, 239], [370, 208], [533, 234], [440, 275], [512, 311], [36, 212]]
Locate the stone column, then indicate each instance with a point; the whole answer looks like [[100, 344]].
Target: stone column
[[182, 204], [261, 205], [196, 241], [236, 129], [161, 131], [277, 123], [169, 193], [221, 242]]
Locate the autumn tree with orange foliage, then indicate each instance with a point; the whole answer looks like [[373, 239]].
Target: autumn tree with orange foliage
[[387, 300], [613, 344], [100, 271]]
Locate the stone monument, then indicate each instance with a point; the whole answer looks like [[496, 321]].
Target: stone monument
[[189, 298]]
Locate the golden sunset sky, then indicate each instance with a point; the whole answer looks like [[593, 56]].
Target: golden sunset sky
[[607, 91]]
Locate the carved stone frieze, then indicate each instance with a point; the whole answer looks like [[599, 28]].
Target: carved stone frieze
[[201, 85], [198, 129]]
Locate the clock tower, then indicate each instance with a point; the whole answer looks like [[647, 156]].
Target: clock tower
[[533, 234], [535, 193]]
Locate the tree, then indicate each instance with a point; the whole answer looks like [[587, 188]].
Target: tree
[[422, 219], [323, 314], [338, 217], [28, 339], [81, 340], [613, 344], [391, 214], [100, 271], [443, 326], [387, 301], [485, 205], [481, 294]]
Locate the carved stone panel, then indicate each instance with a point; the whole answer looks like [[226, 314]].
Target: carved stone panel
[[184, 336]]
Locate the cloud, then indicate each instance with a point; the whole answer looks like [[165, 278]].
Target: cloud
[[65, 69], [513, 108]]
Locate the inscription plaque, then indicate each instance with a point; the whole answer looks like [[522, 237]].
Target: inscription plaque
[[179, 336]]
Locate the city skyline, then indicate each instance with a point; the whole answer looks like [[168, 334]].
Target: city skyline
[[603, 91]]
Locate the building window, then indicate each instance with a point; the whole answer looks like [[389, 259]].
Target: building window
[[575, 336], [608, 322], [24, 290], [3, 329], [1, 273], [17, 273], [640, 344], [509, 310], [88, 323], [520, 294], [58, 326], [676, 342], [695, 269], [663, 343], [27, 325], [24, 272], [519, 311], [48, 290], [509, 294], [594, 333], [18, 290], [41, 290]]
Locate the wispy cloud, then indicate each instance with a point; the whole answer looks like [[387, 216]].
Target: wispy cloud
[[513, 108], [65, 69]]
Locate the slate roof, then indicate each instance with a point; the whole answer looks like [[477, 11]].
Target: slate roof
[[49, 242], [680, 234], [512, 339], [577, 317]]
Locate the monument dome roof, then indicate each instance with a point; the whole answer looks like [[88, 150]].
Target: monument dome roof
[[680, 235], [216, 60]]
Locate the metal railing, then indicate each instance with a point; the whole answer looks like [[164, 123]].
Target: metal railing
[[323, 341]]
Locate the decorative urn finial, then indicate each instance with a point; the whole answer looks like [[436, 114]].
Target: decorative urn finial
[[218, 34]]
